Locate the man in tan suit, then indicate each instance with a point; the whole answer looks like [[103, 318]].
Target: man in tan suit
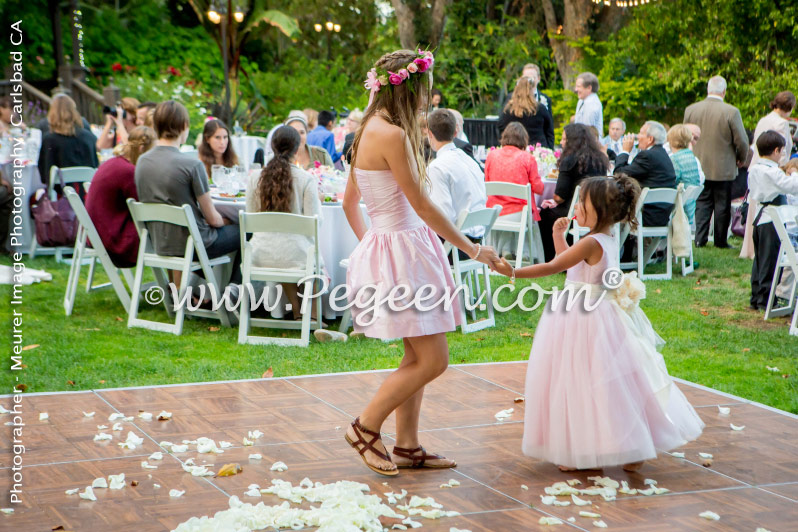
[[723, 146]]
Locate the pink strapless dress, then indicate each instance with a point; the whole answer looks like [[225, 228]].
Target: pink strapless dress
[[398, 250], [597, 389]]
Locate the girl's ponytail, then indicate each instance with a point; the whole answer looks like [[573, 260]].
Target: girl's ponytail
[[628, 194]]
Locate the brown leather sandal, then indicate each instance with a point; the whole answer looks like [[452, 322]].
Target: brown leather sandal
[[420, 461], [369, 446]]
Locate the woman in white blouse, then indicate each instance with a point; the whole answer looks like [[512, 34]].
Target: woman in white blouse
[[283, 187]]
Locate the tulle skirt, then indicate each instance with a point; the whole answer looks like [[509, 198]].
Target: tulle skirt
[[598, 392]]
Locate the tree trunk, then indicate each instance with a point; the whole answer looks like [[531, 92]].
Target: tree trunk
[[572, 28], [407, 25], [438, 21]]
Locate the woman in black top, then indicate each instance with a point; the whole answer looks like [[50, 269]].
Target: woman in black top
[[582, 157], [535, 118], [67, 143]]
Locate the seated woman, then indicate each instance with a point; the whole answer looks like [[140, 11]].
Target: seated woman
[[582, 157], [216, 147], [67, 143], [119, 125], [685, 163], [166, 175], [352, 123], [525, 109], [283, 186], [306, 156], [112, 184], [512, 163], [6, 117]]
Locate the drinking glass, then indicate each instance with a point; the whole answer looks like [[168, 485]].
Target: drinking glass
[[216, 174]]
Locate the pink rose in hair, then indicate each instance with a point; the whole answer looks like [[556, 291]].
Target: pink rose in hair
[[412, 68], [404, 74], [422, 64], [428, 55], [394, 78]]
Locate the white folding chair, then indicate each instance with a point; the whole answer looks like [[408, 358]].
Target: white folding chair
[[74, 174], [576, 231], [788, 258], [183, 217], [346, 319], [485, 218], [691, 193], [290, 224], [647, 197], [527, 229], [88, 233]]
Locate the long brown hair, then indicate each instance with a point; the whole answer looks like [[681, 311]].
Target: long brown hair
[[583, 150], [141, 139], [402, 104], [276, 186], [206, 155], [613, 198], [523, 101], [63, 116]]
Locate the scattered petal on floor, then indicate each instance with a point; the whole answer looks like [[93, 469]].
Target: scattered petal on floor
[[115, 416], [88, 414], [44, 416], [116, 482], [592, 515], [254, 434], [145, 465], [524, 487], [599, 524], [103, 437], [677, 454], [705, 455], [504, 414], [711, 516], [146, 416], [99, 483], [255, 457], [176, 493], [156, 456], [550, 521], [279, 466], [72, 492], [88, 494], [578, 501], [649, 482], [724, 410], [735, 427], [164, 415]]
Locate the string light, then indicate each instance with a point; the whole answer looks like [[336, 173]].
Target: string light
[[76, 14]]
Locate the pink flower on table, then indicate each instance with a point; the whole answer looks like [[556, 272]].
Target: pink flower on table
[[394, 78], [557, 153], [403, 73], [412, 68], [316, 164]]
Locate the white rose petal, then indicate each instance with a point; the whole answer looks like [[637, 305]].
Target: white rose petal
[[625, 489], [504, 414], [650, 482], [114, 417], [578, 501], [179, 448], [44, 416], [724, 410], [101, 427], [605, 481], [88, 494], [7, 510], [710, 516], [99, 483], [225, 444], [145, 465], [132, 441], [190, 461], [648, 492], [156, 486], [88, 414], [146, 416], [176, 493], [760, 529], [198, 471], [128, 418], [253, 493], [248, 442], [735, 427], [116, 482], [572, 519], [207, 445], [524, 487], [453, 529], [156, 456], [117, 427], [660, 491], [412, 524], [279, 466], [72, 492], [255, 457], [574, 482], [548, 500], [103, 436], [705, 455], [165, 415], [254, 434], [773, 369], [677, 455], [592, 515], [599, 524], [549, 521]]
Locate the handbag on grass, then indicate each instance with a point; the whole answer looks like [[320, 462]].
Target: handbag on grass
[[56, 223], [739, 216]]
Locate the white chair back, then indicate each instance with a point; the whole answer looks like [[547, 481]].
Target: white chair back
[[479, 218], [527, 229], [72, 174]]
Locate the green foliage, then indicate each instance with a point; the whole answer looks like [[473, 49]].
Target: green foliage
[[670, 50]]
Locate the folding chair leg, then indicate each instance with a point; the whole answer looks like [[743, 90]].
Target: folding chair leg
[[74, 276], [669, 256], [520, 248], [243, 313], [33, 244], [305, 334], [90, 279], [640, 262]]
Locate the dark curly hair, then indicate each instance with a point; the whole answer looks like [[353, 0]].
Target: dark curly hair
[[613, 198], [276, 186], [582, 149]]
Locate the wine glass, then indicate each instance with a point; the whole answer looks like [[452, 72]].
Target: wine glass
[[216, 174]]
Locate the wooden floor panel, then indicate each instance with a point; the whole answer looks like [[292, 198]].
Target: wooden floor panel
[[752, 482]]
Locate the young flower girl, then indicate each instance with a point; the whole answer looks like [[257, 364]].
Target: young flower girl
[[597, 390]]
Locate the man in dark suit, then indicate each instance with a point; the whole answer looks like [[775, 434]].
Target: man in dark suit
[[651, 167], [531, 71]]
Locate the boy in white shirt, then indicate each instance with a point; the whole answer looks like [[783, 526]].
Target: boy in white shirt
[[767, 185]]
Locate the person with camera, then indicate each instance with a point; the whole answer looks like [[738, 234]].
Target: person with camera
[[118, 122]]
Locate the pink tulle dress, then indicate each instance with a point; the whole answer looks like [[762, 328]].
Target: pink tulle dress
[[597, 390], [399, 250]]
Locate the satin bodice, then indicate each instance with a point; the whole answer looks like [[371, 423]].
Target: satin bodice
[[386, 204], [585, 273]]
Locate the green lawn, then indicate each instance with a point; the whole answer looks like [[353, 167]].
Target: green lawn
[[713, 339]]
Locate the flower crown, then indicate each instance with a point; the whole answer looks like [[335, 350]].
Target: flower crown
[[375, 80]]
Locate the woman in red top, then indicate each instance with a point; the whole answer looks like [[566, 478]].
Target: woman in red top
[[111, 186], [512, 164]]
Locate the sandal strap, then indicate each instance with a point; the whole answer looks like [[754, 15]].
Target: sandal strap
[[368, 445], [418, 461]]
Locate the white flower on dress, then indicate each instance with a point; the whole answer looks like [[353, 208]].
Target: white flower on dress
[[631, 291]]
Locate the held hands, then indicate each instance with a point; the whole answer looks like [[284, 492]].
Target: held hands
[[485, 255], [548, 204], [503, 267], [628, 142]]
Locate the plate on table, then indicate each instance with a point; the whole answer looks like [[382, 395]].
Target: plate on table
[[221, 196]]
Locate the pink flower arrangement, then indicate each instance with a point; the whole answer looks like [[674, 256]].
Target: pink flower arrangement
[[375, 81]]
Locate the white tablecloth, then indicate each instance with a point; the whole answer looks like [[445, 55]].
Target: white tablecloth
[[548, 191], [31, 181], [245, 148], [336, 240]]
